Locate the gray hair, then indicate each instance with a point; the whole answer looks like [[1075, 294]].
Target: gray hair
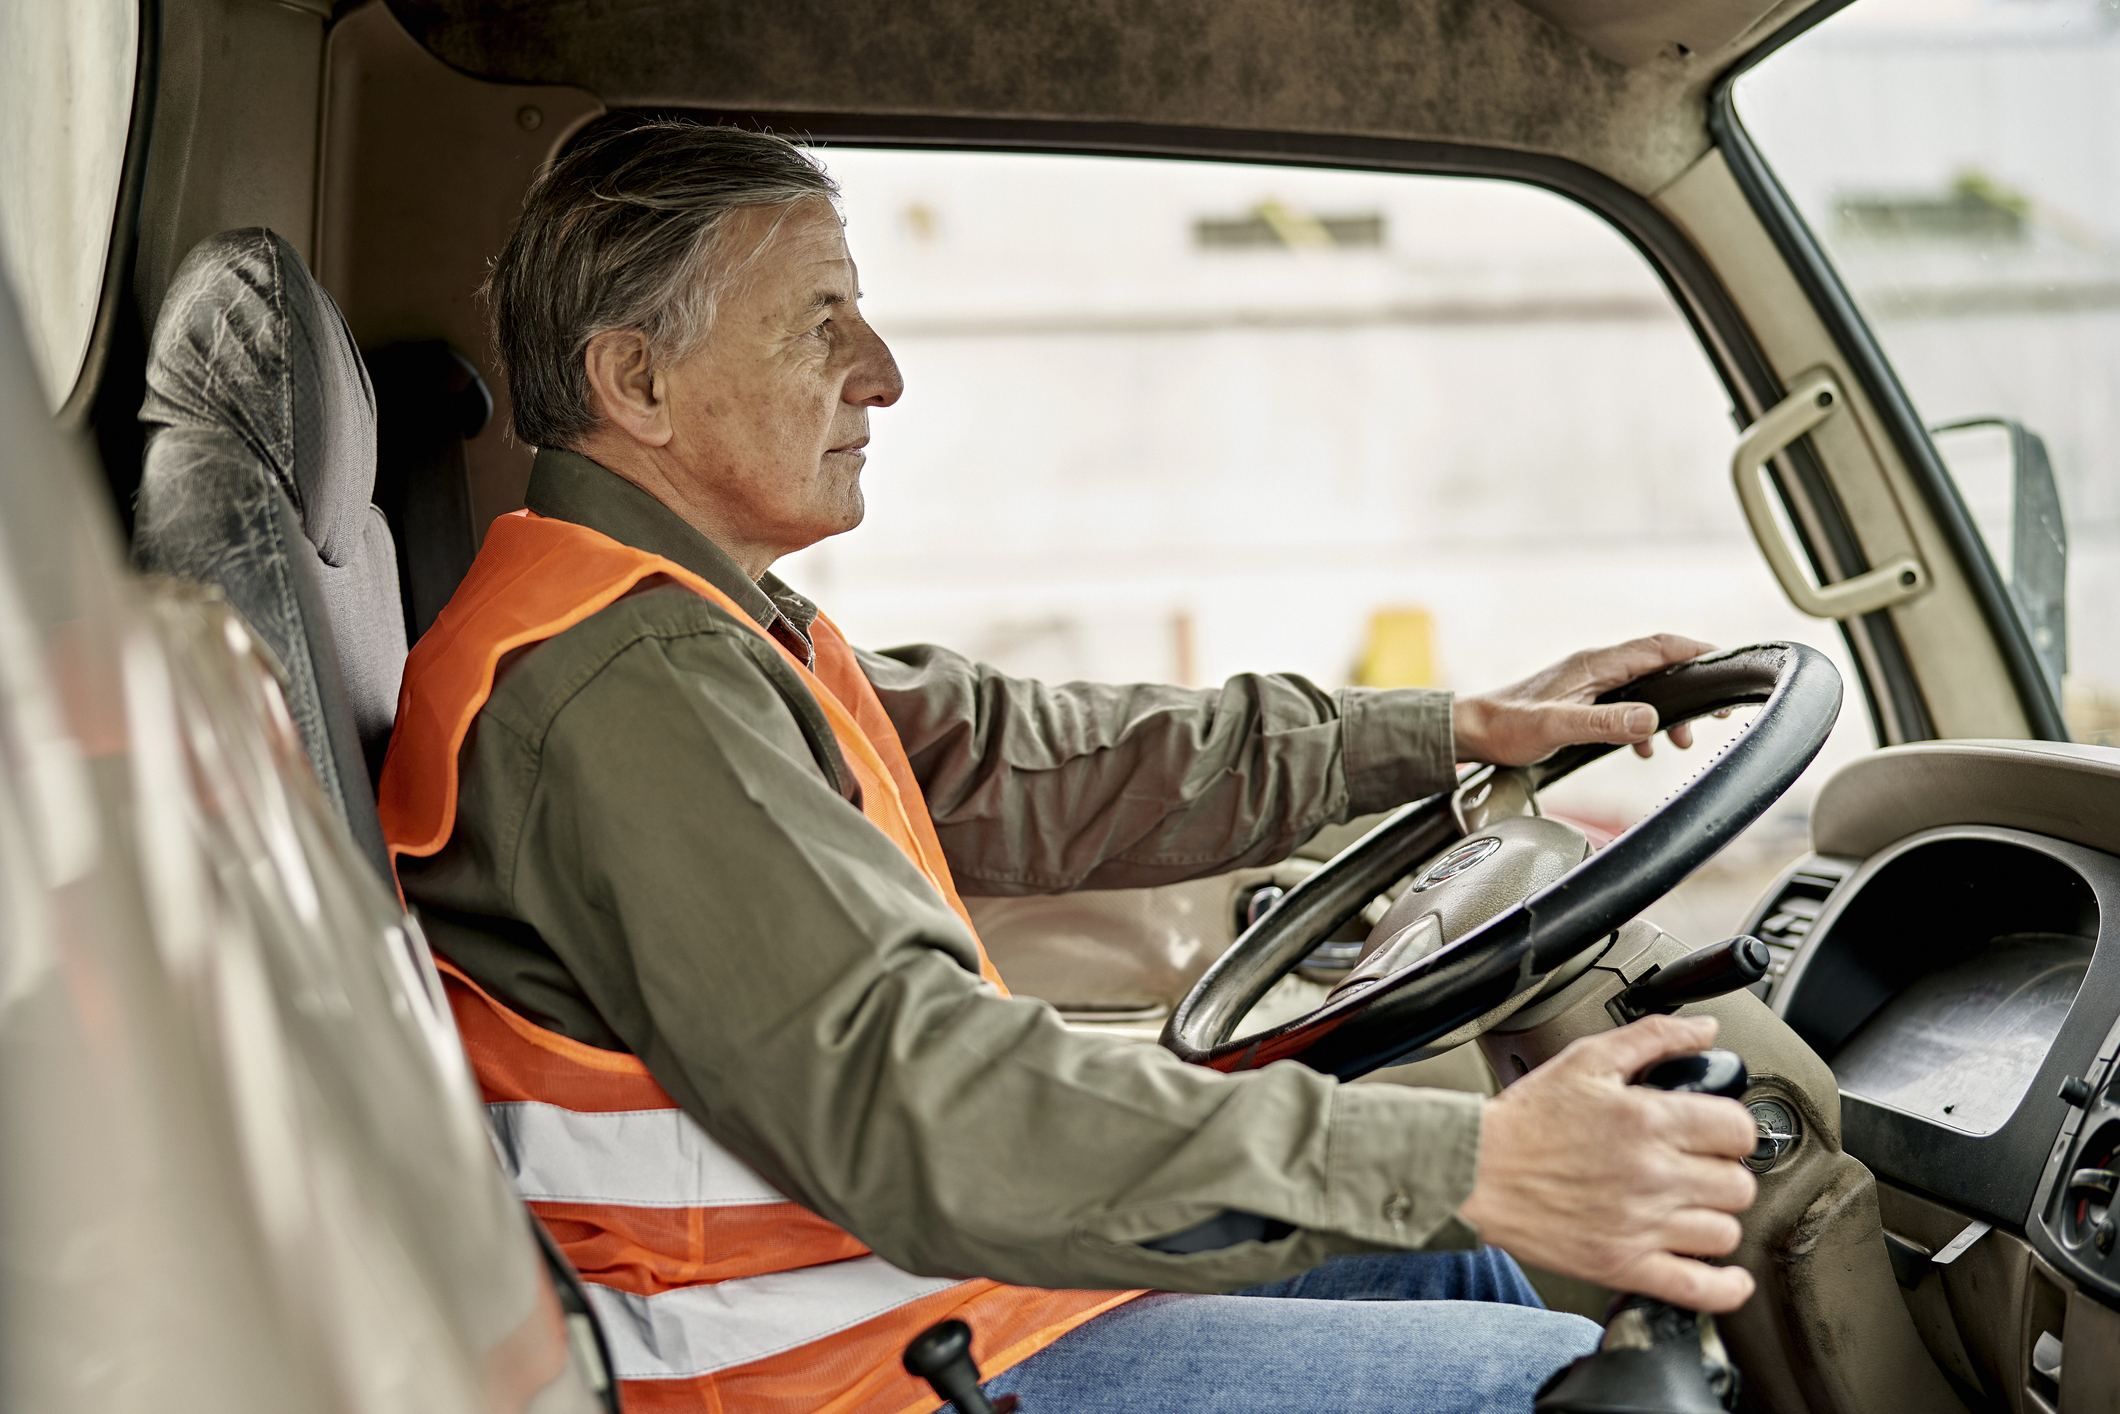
[[623, 232]]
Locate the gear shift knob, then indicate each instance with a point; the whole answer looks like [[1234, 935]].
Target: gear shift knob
[[1656, 1358], [942, 1355], [1701, 1073]]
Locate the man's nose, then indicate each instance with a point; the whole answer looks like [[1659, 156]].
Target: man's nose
[[875, 380]]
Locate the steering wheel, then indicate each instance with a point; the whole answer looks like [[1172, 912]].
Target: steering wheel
[[1550, 923]]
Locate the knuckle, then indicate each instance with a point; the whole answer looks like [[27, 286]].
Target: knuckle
[[1634, 1120], [1610, 1260], [1725, 1233], [1644, 1171], [1692, 1280]]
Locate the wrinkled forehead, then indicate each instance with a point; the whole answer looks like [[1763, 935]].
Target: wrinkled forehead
[[779, 247]]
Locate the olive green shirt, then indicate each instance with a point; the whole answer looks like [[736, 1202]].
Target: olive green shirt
[[657, 849]]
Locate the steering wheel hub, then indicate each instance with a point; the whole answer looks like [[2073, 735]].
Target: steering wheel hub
[[1455, 862]]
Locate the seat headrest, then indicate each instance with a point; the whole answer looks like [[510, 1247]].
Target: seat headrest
[[249, 344]]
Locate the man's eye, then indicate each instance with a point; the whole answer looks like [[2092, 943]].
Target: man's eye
[[820, 328]]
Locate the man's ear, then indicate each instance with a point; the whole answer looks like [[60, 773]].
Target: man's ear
[[626, 390]]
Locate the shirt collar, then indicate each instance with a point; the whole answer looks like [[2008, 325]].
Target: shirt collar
[[568, 486]]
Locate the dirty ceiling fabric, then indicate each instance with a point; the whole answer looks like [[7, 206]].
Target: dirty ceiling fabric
[[1449, 70]]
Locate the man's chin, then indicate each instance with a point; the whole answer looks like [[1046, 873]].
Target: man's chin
[[824, 527], [852, 513]]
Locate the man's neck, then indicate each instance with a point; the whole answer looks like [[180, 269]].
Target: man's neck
[[640, 465]]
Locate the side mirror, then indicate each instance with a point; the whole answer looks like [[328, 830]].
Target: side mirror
[[2007, 483]]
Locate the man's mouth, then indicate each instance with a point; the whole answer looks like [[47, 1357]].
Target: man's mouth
[[849, 448]]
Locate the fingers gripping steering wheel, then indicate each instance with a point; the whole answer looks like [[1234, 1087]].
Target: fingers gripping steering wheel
[[1516, 950]]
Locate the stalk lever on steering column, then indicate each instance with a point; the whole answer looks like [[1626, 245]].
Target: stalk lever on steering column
[[1657, 1358], [1712, 971]]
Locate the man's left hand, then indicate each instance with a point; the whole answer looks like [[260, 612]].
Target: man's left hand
[[1530, 720]]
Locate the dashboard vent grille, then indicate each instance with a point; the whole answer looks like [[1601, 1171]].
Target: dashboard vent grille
[[1789, 916]]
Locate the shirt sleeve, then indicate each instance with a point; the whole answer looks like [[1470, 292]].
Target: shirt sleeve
[[1044, 788], [802, 991]]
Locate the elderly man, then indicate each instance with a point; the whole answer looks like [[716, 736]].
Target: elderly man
[[693, 863]]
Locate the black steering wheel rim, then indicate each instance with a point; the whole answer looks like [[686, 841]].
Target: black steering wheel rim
[[1800, 692]]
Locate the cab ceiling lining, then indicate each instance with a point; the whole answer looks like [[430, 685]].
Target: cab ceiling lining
[[1467, 71]]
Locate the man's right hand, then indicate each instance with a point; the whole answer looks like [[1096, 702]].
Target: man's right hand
[[1588, 1175]]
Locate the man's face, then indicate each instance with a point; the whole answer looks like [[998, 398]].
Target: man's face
[[769, 417]]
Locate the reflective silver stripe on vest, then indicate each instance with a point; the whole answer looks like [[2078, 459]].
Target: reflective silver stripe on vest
[[626, 1158], [697, 1330]]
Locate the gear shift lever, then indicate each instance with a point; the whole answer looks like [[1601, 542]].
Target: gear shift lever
[[942, 1355], [1657, 1358]]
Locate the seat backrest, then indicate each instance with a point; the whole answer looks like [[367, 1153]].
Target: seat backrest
[[429, 401], [259, 474]]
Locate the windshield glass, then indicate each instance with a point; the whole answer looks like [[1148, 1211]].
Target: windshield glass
[[1959, 160]]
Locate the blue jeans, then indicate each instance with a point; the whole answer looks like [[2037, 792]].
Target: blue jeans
[[1407, 1333]]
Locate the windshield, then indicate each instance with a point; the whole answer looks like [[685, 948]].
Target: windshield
[[1959, 161], [1174, 421]]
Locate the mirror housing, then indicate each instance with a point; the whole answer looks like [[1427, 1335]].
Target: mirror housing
[[2007, 482]]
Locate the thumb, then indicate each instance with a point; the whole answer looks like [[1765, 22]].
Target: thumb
[[1628, 1050]]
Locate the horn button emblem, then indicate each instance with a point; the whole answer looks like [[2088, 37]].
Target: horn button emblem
[[1456, 862]]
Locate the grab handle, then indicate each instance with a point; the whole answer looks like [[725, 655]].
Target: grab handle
[[1814, 399]]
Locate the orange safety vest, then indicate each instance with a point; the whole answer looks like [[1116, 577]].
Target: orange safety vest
[[715, 1292]]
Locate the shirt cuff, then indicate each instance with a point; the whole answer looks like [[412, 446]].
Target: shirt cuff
[[1401, 1162], [1396, 745]]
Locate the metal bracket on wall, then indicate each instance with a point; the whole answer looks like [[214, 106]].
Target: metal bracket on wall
[[1815, 398]]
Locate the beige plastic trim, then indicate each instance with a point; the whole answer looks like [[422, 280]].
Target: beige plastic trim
[[1815, 398], [2047, 787]]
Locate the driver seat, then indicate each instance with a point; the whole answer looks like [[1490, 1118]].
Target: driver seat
[[258, 479], [259, 470]]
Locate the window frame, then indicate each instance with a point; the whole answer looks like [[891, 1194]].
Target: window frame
[[1821, 283], [1873, 642]]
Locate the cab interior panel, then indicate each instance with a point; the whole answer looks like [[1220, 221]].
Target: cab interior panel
[[1932, 1020]]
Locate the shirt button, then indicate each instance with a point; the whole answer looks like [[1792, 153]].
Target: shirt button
[[1397, 1208]]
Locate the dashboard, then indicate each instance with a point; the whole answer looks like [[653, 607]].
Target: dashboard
[[1952, 951], [1953, 981]]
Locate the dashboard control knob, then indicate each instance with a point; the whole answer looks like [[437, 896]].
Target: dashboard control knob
[[2076, 1091], [2102, 1236]]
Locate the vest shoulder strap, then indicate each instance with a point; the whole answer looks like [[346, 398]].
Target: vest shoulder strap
[[534, 578]]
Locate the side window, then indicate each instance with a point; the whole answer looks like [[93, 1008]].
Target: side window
[[1175, 421], [1959, 161], [66, 86]]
